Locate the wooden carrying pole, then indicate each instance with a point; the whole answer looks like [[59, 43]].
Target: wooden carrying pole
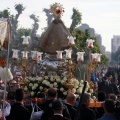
[[7, 60]]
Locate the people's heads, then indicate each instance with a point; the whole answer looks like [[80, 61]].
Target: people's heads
[[19, 94], [86, 99], [109, 106], [112, 96], [101, 96], [109, 76], [71, 99], [57, 106], [11, 95], [52, 93]]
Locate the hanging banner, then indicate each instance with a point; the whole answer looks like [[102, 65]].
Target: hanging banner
[[3, 31]]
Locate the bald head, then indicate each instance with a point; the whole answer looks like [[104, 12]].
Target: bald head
[[71, 98]]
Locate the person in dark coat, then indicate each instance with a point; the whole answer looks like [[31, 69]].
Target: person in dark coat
[[70, 103], [18, 111], [85, 112], [101, 98], [58, 107], [48, 111], [109, 108], [115, 87]]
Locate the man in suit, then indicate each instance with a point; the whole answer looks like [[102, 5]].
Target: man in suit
[[70, 103], [58, 107], [85, 112], [18, 111], [48, 111]]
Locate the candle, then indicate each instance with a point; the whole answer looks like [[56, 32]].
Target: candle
[[39, 56], [15, 54], [59, 54], [68, 54], [80, 56], [71, 40], [90, 43]]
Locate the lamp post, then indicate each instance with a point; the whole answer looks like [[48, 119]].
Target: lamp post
[[24, 65]]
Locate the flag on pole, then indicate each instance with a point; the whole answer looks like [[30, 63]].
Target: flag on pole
[[4, 33]]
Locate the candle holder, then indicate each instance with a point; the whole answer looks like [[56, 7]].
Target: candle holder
[[24, 64], [92, 63]]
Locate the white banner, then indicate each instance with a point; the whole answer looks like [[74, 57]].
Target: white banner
[[3, 31]]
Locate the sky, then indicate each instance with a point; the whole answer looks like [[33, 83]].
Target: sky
[[102, 15]]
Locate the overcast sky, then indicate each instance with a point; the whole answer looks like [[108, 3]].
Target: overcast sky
[[102, 15]]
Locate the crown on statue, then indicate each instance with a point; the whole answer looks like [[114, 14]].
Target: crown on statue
[[57, 9]]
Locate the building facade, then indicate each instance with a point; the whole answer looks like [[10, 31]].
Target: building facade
[[115, 43]]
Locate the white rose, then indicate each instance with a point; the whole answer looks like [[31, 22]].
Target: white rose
[[82, 81], [58, 80], [40, 78], [30, 84], [79, 90], [46, 77], [44, 81], [62, 89], [62, 82], [91, 90], [64, 93], [41, 88], [32, 93], [75, 86], [55, 84], [73, 90], [51, 85], [35, 84], [65, 79], [48, 83], [25, 88], [33, 87], [32, 79], [51, 79]]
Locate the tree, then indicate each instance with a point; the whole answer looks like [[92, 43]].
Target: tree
[[5, 13], [49, 16], [14, 18], [76, 19], [35, 27]]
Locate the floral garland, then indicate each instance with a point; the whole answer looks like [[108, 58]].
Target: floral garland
[[41, 84]]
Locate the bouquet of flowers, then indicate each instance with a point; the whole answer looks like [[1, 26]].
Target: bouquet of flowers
[[41, 84]]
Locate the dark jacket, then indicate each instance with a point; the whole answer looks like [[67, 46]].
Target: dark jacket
[[86, 113], [115, 89], [48, 112], [58, 117], [18, 112], [72, 110]]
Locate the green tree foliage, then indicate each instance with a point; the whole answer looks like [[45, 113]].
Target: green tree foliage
[[76, 19], [5, 13]]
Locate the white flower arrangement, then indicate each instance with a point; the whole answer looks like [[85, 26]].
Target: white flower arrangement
[[41, 84]]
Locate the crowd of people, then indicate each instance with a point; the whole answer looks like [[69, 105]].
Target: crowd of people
[[54, 108]]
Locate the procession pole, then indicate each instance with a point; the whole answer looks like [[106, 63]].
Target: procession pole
[[7, 62]]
